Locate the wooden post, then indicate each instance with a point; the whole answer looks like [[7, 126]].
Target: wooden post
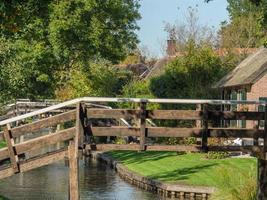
[[74, 158], [79, 124], [11, 149], [198, 122], [143, 126], [205, 128], [262, 165], [73, 171]]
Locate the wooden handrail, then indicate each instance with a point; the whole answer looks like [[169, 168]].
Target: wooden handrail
[[121, 100]]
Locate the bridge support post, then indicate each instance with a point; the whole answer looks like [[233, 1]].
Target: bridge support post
[[73, 152], [205, 125], [11, 149], [73, 172], [262, 165], [143, 126]]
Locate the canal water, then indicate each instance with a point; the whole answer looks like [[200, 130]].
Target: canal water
[[96, 180]]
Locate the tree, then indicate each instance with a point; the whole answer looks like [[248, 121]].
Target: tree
[[243, 32], [190, 31], [48, 39], [256, 2], [247, 26], [190, 76], [101, 79]]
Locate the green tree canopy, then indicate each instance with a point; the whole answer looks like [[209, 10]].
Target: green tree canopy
[[42, 41], [190, 76], [247, 26]]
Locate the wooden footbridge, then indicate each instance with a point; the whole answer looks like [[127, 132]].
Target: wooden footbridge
[[77, 119]]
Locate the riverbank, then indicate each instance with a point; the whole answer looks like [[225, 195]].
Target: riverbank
[[175, 175]]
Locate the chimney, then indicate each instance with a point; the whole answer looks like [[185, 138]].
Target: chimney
[[171, 47]]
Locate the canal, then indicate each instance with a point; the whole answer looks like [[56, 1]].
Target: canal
[[97, 182]]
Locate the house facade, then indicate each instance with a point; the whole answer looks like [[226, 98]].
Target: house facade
[[248, 81]]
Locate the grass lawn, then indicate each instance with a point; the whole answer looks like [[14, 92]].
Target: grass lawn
[[191, 168]]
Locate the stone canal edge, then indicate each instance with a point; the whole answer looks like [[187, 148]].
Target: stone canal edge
[[166, 190]]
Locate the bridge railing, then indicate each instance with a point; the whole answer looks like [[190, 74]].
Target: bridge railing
[[204, 132], [143, 131], [79, 128]]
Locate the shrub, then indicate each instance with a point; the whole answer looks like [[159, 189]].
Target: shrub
[[217, 155], [120, 140]]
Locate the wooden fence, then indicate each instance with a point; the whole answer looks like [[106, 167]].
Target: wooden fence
[[78, 128]]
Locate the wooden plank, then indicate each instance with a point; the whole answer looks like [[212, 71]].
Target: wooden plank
[[43, 123], [43, 160], [36, 162], [236, 115], [121, 100], [109, 147], [142, 126], [73, 171], [11, 150], [182, 148], [39, 142], [112, 113], [115, 131], [4, 153], [235, 132], [4, 173], [173, 132], [175, 114]]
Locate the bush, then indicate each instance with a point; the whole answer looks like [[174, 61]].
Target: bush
[[217, 155], [242, 186], [120, 140]]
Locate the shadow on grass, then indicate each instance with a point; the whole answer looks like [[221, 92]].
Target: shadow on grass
[[132, 157], [181, 174]]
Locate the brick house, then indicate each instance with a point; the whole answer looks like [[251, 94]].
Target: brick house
[[248, 81]]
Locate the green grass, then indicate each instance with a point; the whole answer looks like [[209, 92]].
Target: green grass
[[190, 169]]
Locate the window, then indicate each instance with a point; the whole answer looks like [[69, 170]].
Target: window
[[262, 109]]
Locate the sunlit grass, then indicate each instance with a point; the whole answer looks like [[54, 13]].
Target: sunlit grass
[[190, 169]]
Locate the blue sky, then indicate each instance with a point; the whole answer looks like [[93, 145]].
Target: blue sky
[[156, 12]]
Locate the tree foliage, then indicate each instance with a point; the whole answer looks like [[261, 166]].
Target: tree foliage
[[44, 42], [101, 79], [190, 76], [247, 26]]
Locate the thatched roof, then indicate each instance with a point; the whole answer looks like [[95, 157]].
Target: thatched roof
[[247, 72], [159, 67]]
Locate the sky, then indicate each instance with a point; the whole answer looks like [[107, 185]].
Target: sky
[[156, 12]]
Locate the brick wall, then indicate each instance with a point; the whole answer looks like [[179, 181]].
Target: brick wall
[[259, 89]]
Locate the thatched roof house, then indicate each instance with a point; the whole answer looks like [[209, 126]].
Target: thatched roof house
[[248, 81], [247, 73]]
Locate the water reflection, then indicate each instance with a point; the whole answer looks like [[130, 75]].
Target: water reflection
[[97, 182]]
